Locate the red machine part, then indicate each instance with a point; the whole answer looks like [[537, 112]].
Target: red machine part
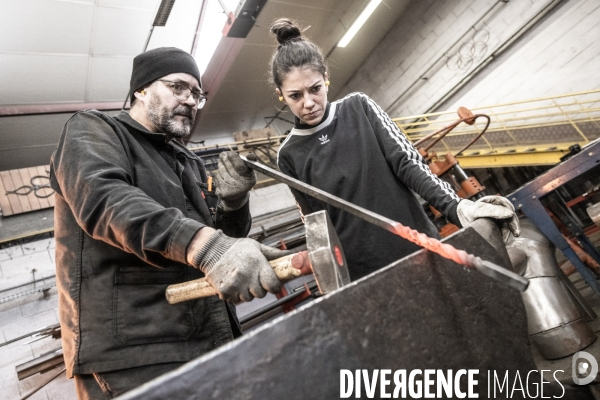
[[466, 186]]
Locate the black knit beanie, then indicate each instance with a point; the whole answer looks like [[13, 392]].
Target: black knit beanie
[[154, 64]]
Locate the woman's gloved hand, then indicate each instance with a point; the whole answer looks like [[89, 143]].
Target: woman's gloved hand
[[495, 207], [238, 268], [234, 179]]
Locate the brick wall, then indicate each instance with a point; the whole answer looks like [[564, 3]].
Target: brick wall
[[415, 64], [560, 55]]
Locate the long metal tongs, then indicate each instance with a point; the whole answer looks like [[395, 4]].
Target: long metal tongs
[[443, 249]]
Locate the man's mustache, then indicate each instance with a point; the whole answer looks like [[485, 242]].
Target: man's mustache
[[184, 111]]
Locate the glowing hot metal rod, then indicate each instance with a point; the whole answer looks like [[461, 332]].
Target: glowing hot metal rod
[[443, 249]]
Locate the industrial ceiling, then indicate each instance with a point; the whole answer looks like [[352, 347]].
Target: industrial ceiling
[[60, 56]]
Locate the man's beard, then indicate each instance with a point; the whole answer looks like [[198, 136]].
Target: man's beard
[[164, 119]]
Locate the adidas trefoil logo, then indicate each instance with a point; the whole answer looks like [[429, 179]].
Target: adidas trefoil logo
[[323, 139]]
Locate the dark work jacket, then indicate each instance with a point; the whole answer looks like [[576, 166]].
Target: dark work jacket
[[122, 230]]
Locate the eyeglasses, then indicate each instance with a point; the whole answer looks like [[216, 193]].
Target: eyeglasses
[[182, 91]]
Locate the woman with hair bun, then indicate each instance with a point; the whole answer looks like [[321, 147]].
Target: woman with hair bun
[[352, 149]]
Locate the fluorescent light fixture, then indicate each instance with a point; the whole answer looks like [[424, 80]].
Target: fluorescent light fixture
[[362, 18], [211, 31], [164, 10]]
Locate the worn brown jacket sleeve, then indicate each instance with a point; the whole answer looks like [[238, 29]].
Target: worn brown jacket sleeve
[[92, 170]]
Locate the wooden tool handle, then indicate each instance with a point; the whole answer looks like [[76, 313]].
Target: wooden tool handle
[[201, 288]]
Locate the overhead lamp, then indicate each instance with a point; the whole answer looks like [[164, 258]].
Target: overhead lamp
[[162, 15], [362, 18], [164, 10]]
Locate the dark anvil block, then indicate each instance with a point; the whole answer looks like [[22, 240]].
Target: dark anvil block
[[421, 312]]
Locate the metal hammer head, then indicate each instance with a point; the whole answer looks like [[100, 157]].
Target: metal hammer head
[[325, 252]]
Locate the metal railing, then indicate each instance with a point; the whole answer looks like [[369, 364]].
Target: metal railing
[[530, 132]]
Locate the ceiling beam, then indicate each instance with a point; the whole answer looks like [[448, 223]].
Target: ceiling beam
[[35, 109]]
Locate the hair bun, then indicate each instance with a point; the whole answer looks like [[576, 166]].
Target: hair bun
[[286, 31]]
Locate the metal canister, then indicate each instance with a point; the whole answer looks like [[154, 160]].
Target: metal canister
[[556, 313]]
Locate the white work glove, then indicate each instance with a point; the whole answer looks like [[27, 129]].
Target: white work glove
[[238, 268], [495, 207], [233, 180]]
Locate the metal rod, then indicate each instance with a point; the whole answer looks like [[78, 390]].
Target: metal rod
[[28, 395], [443, 249], [27, 284], [269, 307], [41, 330], [270, 140]]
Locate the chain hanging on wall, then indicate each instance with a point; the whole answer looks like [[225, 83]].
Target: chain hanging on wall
[[470, 51], [35, 187]]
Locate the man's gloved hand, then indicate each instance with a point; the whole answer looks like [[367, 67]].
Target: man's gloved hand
[[238, 268], [233, 180], [495, 207]]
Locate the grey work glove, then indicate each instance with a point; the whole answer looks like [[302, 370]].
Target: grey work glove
[[495, 207], [238, 268], [234, 180]]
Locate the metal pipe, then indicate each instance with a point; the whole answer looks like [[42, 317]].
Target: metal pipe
[[494, 55], [47, 329]]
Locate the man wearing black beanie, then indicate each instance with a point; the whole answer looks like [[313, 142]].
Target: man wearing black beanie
[[132, 216]]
